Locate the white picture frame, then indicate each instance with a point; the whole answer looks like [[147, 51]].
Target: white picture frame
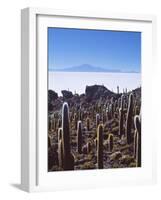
[[34, 176]]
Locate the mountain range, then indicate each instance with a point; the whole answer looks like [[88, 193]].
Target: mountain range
[[89, 68]]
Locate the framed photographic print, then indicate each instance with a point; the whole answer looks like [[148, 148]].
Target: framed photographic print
[[86, 109]]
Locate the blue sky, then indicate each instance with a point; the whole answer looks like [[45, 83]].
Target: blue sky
[[105, 49]]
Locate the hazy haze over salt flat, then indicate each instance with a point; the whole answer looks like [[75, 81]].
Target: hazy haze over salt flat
[[77, 81]]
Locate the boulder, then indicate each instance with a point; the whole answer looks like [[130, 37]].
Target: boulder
[[94, 92], [67, 94], [52, 96]]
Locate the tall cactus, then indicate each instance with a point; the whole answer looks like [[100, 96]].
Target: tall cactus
[[110, 139], [49, 124], [88, 123], [59, 134], [135, 142], [54, 123], [60, 153], [115, 105], [121, 129], [122, 102], [95, 143], [97, 120], [104, 117], [121, 109], [137, 123], [88, 147], [68, 163], [59, 123], [51, 127], [118, 90], [129, 120], [79, 137], [75, 121], [126, 90], [111, 110], [100, 146], [49, 142], [80, 114], [136, 110], [119, 102]]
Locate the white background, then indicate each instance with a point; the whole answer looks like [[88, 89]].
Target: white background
[[95, 178], [10, 98]]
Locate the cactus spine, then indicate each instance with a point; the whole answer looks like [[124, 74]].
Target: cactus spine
[[129, 120], [137, 123], [68, 162], [100, 146], [79, 137]]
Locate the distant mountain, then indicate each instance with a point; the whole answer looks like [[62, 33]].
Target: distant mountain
[[86, 68], [90, 68]]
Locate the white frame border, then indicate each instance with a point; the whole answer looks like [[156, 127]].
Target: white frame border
[[29, 85]]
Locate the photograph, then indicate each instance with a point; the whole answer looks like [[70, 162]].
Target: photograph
[[94, 99]]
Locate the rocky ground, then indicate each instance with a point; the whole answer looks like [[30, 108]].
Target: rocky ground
[[96, 100]]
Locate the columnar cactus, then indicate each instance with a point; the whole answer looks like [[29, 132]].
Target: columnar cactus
[[50, 125], [88, 147], [126, 90], [88, 123], [119, 103], [59, 134], [115, 105], [54, 124], [122, 102], [60, 153], [121, 128], [111, 110], [137, 123], [112, 100], [100, 146], [59, 123], [49, 142], [108, 115], [79, 137], [117, 89], [80, 114], [129, 120], [136, 110], [75, 121], [110, 139], [97, 120], [68, 163], [95, 143], [103, 117], [135, 142]]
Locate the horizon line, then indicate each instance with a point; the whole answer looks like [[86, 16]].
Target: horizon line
[[114, 71]]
